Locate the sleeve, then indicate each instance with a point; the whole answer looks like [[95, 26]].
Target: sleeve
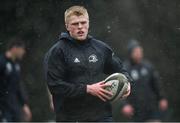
[[2, 66], [155, 83], [113, 64], [22, 95], [56, 73]]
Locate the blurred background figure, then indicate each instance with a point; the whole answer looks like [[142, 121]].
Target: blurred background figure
[[13, 97], [146, 101]]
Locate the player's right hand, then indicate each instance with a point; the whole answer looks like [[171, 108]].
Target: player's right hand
[[27, 115], [127, 110], [163, 104], [98, 90]]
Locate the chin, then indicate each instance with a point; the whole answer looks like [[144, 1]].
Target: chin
[[81, 38]]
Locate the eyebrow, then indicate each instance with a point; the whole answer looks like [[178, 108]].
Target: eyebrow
[[79, 22]]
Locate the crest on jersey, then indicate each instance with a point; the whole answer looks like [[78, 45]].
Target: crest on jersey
[[17, 67], [144, 71], [135, 75], [93, 58]]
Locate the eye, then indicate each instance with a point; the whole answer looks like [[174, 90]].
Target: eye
[[74, 24], [84, 22]]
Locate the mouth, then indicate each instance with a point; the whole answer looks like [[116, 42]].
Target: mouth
[[80, 33]]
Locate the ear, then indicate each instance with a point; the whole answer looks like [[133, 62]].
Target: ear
[[67, 27]]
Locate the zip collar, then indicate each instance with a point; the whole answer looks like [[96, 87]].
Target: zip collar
[[66, 36]]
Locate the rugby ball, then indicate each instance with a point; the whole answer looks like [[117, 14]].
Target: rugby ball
[[119, 85]]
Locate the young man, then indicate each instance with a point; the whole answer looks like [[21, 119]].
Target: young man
[[142, 104], [75, 67], [13, 101]]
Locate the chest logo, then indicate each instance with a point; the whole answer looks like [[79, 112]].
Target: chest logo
[[17, 67], [76, 60], [9, 68], [93, 58], [144, 72], [135, 75]]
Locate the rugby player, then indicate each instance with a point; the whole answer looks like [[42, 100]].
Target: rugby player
[[75, 67]]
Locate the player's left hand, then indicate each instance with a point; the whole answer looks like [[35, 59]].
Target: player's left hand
[[163, 104], [126, 94]]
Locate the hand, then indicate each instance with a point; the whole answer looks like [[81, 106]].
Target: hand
[[52, 106], [27, 113], [163, 104], [128, 91], [51, 102], [98, 90], [128, 111]]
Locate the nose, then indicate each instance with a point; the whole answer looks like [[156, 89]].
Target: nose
[[79, 25]]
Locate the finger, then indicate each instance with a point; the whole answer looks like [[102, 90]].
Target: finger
[[126, 94], [104, 96], [106, 92], [128, 89], [105, 85], [101, 83], [101, 98], [129, 86]]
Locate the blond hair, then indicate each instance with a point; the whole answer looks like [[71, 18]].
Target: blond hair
[[75, 10]]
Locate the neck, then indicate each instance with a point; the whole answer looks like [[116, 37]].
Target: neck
[[80, 41], [135, 62], [10, 55]]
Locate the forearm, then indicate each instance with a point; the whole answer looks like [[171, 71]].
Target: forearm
[[22, 95], [66, 89], [157, 89]]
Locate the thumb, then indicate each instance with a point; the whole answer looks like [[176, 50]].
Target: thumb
[[102, 82]]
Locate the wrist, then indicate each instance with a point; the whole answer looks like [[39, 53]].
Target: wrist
[[88, 89]]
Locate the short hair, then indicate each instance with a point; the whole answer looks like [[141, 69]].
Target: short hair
[[15, 42], [75, 10]]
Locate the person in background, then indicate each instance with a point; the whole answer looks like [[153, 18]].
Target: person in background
[[13, 99], [146, 99]]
